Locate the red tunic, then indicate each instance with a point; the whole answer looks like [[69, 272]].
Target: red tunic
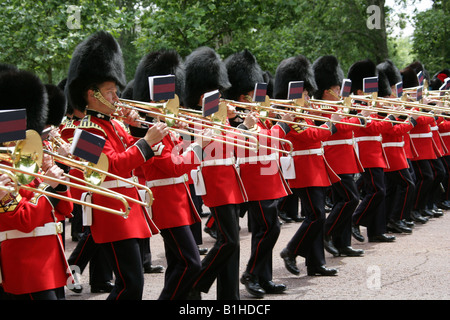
[[124, 155], [422, 139], [260, 171], [33, 264], [444, 131], [394, 146], [172, 205], [311, 169]]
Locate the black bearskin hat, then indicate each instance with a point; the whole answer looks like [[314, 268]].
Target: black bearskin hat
[[158, 63], [409, 78], [391, 71], [205, 72], [438, 79], [327, 73], [243, 73], [57, 105], [296, 68], [384, 88], [21, 89], [360, 70], [127, 93], [94, 61], [268, 78], [418, 66]]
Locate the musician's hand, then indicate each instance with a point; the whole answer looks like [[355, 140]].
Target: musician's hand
[[231, 112], [47, 162], [130, 117], [337, 116], [54, 172], [250, 120], [64, 150], [156, 133], [366, 112], [4, 181], [288, 117], [206, 139]]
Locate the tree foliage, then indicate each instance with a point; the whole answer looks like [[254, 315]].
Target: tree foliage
[[41, 35]]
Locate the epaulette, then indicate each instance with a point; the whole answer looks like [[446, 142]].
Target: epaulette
[[9, 203], [84, 123], [298, 128]]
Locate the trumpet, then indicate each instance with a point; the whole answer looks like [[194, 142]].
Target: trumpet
[[18, 185], [147, 108]]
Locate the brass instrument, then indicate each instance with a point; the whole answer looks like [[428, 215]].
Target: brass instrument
[[148, 108]]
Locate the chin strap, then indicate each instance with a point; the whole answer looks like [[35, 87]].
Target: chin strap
[[98, 95]]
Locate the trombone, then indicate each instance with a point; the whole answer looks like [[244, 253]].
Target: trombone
[[194, 114], [18, 185], [147, 108]]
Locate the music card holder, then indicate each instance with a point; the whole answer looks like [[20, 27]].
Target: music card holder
[[13, 125], [162, 87]]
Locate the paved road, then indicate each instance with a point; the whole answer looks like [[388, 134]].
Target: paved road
[[414, 267]]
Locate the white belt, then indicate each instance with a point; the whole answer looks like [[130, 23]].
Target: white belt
[[51, 228], [337, 142], [369, 138], [167, 181], [435, 128], [118, 183], [394, 144], [421, 135], [317, 151], [218, 162], [254, 159], [444, 134]]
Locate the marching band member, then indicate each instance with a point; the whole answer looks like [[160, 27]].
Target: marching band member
[[173, 210], [399, 182], [261, 176], [370, 211], [95, 73], [342, 158], [312, 174], [205, 72], [33, 263]]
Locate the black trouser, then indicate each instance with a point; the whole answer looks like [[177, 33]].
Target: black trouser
[[371, 210], [289, 205], [399, 194], [345, 197], [52, 294], [124, 257], [222, 260], [263, 217], [435, 194], [183, 262], [87, 251], [424, 181], [446, 183], [308, 239]]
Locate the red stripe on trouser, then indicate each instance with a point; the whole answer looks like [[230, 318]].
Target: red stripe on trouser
[[312, 222], [120, 273], [420, 186], [185, 263], [259, 243], [406, 196], [370, 201], [218, 251], [342, 209]]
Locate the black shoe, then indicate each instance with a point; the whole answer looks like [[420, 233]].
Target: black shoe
[[321, 271], [437, 213], [350, 252], [398, 227], [284, 217], [252, 285], [409, 223], [202, 251], [153, 269], [329, 246], [272, 288], [211, 232], [356, 233], [427, 213], [444, 205], [102, 287], [382, 238], [298, 218], [76, 287], [289, 261], [417, 217]]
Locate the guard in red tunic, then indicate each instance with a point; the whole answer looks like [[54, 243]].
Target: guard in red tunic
[[262, 178], [312, 173], [371, 210], [32, 259], [173, 210], [341, 156], [399, 182], [95, 73], [223, 189]]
